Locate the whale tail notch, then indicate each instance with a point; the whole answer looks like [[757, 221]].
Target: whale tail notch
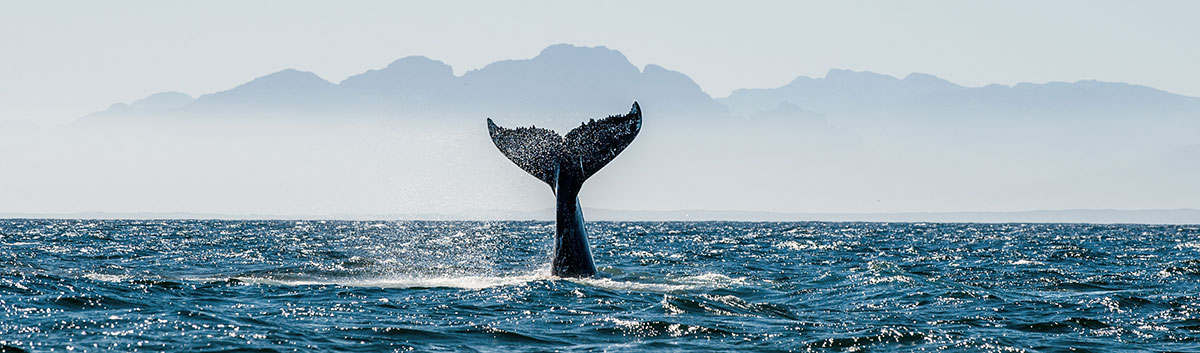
[[545, 154]]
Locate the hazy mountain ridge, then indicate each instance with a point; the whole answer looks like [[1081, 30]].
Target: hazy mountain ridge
[[410, 137], [284, 91], [565, 80], [846, 92], [570, 81]]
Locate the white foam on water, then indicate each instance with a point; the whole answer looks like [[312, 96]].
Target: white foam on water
[[463, 282], [106, 278], [680, 284], [809, 245], [686, 283], [1189, 245]]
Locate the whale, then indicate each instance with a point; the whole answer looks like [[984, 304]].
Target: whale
[[564, 162]]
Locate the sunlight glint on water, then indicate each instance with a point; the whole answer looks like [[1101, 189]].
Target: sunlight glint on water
[[279, 285]]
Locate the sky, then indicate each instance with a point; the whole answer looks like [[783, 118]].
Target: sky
[[63, 59]]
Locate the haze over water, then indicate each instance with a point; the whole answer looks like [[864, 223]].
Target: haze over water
[[409, 139]]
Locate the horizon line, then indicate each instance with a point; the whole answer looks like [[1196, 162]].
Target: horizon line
[[1174, 216]]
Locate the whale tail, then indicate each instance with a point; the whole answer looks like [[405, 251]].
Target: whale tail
[[564, 163], [581, 153]]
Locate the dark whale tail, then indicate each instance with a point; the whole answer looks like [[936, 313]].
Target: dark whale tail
[[586, 149], [564, 163]]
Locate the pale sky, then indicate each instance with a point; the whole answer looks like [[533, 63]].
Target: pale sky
[[61, 59]]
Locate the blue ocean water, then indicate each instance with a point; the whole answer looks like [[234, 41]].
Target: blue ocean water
[[150, 285]]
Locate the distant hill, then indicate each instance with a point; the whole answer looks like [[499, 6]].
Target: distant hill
[[414, 84], [287, 91], [848, 141], [844, 92], [563, 80], [162, 101], [570, 82], [581, 82]]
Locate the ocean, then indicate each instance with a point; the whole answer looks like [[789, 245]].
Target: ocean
[[429, 286]]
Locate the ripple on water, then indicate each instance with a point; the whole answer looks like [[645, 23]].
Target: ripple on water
[[691, 286]]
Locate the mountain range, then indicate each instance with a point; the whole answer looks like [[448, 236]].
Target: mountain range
[[577, 82], [562, 80], [845, 92], [410, 137]]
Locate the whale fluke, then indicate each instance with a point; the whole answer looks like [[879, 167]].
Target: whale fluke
[[565, 163], [534, 150], [587, 148]]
